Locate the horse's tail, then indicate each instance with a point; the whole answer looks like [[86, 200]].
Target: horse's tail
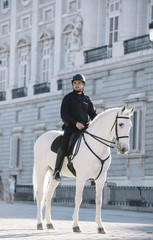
[[35, 186]]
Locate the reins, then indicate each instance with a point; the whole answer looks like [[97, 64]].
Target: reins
[[99, 139]]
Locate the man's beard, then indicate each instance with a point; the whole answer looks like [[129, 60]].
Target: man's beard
[[80, 90]]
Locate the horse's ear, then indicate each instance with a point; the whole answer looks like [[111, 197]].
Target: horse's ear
[[132, 110], [123, 109]]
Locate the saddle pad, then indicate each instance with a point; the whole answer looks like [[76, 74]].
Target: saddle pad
[[56, 143]]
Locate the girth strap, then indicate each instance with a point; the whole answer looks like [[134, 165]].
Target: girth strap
[[101, 160], [71, 157]]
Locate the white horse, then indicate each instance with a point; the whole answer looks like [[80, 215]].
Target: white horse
[[88, 163]]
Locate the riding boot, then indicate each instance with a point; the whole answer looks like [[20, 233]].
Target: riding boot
[[58, 166]]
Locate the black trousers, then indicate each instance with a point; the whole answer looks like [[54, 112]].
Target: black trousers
[[68, 131]]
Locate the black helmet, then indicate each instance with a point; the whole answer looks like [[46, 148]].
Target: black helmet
[[79, 77]]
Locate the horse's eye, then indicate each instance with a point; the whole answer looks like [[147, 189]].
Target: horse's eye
[[121, 124]]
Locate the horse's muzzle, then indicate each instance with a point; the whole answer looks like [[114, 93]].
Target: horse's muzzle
[[121, 148]]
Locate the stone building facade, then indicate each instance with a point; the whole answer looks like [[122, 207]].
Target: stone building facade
[[43, 43]]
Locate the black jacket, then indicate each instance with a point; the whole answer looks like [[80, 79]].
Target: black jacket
[[77, 108]]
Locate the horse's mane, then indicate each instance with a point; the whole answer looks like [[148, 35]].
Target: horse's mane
[[105, 114]]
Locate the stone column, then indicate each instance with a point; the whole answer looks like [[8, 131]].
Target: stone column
[[101, 23], [89, 14], [57, 44], [34, 50], [128, 19], [12, 73], [142, 27], [131, 24]]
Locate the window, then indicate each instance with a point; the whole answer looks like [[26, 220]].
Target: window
[[16, 145], [151, 13], [98, 86], [23, 70], [5, 4], [59, 84], [23, 63], [136, 133], [113, 30], [46, 64], [2, 75], [5, 29], [72, 7], [68, 51], [26, 22], [139, 78], [67, 45], [41, 113], [0, 151], [18, 116], [48, 15], [37, 135], [113, 22], [25, 2]]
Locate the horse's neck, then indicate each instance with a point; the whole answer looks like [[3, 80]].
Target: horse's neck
[[102, 126]]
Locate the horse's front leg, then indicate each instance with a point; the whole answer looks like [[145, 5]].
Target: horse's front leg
[[99, 188], [78, 200], [49, 193]]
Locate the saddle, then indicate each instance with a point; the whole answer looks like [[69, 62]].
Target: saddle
[[75, 140]]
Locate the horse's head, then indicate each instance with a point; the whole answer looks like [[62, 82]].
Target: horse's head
[[122, 126]]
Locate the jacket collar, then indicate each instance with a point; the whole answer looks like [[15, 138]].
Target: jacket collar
[[82, 94]]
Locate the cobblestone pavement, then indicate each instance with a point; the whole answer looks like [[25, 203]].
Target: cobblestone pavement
[[18, 221]]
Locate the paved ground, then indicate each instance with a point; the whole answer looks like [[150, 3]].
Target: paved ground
[[18, 221]]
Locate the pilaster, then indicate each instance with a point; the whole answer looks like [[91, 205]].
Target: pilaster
[[34, 43], [12, 74], [89, 12], [57, 43]]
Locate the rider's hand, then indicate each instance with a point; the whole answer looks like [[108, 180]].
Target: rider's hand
[[87, 124], [79, 125]]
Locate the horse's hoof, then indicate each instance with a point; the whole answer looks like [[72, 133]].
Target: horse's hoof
[[39, 226], [50, 226], [76, 229], [101, 230]]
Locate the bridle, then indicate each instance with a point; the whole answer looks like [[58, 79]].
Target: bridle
[[116, 128], [107, 142]]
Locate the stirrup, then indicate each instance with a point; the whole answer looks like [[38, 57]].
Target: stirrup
[[93, 183], [56, 176]]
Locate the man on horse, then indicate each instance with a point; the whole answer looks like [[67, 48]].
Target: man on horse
[[76, 110]]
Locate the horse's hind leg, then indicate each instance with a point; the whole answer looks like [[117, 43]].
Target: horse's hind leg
[[40, 184], [49, 193], [78, 200]]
